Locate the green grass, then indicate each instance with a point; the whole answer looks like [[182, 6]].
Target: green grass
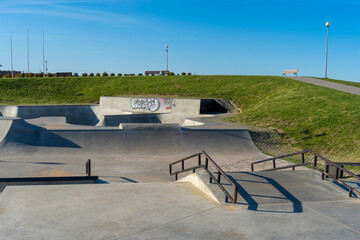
[[354, 84], [308, 116]]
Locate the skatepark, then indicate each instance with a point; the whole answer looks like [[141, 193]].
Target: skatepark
[[156, 165]]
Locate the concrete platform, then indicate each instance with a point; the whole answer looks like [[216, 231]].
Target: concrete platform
[[162, 211]]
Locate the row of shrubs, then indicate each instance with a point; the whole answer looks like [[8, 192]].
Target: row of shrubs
[[104, 74]]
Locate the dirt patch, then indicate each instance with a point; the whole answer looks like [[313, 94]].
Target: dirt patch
[[53, 173]]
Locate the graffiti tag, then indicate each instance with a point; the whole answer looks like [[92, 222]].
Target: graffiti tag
[[153, 104]]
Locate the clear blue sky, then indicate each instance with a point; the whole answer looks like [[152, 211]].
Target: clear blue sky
[[251, 37]]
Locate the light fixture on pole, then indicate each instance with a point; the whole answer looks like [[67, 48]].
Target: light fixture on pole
[[327, 24], [167, 57]]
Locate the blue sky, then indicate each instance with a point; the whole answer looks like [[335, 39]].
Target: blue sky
[[251, 37]]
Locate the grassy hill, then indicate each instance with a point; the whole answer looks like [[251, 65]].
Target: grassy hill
[[308, 116]]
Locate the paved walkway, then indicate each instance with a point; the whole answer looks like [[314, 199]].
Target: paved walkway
[[337, 86]]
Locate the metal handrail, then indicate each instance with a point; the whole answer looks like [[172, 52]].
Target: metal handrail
[[217, 179], [313, 165]]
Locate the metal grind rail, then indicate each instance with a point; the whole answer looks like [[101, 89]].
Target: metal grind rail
[[314, 164], [205, 166], [74, 179]]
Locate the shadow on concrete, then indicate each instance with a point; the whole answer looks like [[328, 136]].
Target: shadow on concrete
[[253, 205], [45, 163]]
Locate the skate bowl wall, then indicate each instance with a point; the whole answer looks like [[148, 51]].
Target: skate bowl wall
[[75, 114]]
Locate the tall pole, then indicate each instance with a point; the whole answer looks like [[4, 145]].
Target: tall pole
[[11, 54], [167, 57], [327, 41], [28, 52], [43, 53]]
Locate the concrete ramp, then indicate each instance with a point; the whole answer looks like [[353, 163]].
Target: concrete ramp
[[16, 133]]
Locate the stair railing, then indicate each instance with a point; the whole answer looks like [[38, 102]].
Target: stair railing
[[314, 165], [205, 166]]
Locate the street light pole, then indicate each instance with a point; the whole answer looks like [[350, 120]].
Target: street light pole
[[167, 57], [327, 24]]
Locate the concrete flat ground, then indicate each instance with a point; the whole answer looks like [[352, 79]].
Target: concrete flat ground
[[163, 211]]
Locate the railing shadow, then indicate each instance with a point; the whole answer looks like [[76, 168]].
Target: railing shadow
[[253, 205]]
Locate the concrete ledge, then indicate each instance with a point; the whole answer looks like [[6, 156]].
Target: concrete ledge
[[149, 126]]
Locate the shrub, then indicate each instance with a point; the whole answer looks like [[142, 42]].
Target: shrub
[[91, 74], [189, 74], [84, 74], [112, 74], [119, 74], [38, 74], [49, 75], [171, 74], [140, 74], [20, 75], [105, 74], [29, 75], [7, 75], [98, 74], [183, 73], [55, 75]]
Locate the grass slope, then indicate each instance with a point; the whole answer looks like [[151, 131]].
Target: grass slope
[[310, 116]]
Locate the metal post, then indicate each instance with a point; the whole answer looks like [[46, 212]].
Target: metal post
[[182, 165], [28, 52], [315, 161], [303, 158], [199, 159], [206, 163], [43, 53], [88, 167], [167, 57], [327, 41], [219, 176], [11, 53], [274, 164]]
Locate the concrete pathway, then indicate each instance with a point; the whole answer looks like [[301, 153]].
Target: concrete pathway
[[337, 86]]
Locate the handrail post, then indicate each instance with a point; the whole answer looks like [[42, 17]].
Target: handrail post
[[303, 157], [199, 159], [170, 169], [88, 168], [274, 164], [315, 160], [182, 165], [219, 176], [207, 163], [252, 167], [235, 194]]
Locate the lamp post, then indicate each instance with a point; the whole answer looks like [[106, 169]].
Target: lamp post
[[327, 24], [167, 57]]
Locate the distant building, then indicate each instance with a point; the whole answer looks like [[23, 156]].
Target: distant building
[[64, 74], [162, 73], [2, 73]]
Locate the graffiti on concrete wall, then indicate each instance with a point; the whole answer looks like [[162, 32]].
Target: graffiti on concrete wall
[[153, 104]]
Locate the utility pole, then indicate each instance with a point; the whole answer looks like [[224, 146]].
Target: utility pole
[[11, 53], [167, 57], [28, 53], [43, 53], [327, 24]]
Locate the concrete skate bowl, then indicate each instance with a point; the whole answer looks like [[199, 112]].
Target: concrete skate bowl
[[149, 139], [112, 111], [74, 114]]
